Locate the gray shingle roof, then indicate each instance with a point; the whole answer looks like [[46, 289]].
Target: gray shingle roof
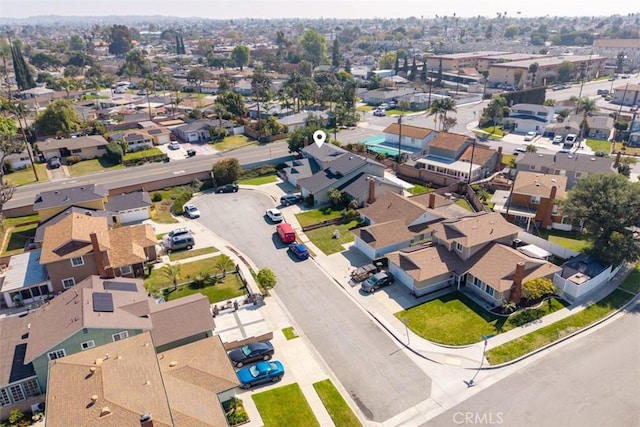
[[123, 202], [338, 169], [69, 196]]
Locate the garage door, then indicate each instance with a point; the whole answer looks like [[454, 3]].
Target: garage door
[[134, 215]]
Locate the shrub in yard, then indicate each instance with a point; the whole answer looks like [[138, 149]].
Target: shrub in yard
[[114, 153], [157, 197], [179, 203], [348, 214], [526, 316], [72, 160]]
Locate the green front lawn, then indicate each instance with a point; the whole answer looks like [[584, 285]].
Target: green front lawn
[[323, 237], [599, 145], [419, 189], [316, 216], [21, 220], [632, 282], [284, 406], [268, 179], [18, 238], [229, 287], [234, 141], [25, 176], [543, 336], [340, 413], [142, 154], [464, 204], [177, 256], [161, 212], [87, 167], [454, 319], [567, 239], [188, 270]]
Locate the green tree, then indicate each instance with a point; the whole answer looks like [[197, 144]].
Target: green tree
[[511, 31], [531, 148], [172, 272], [77, 43], [120, 40], [23, 74], [198, 76], [45, 61], [441, 107], [335, 53], [314, 47], [240, 56], [620, 62], [336, 198], [60, 117], [625, 164], [8, 145], [538, 288], [496, 110], [233, 103], [296, 139], [266, 278], [608, 204], [224, 263], [565, 71], [587, 106], [533, 70], [226, 171], [135, 64]]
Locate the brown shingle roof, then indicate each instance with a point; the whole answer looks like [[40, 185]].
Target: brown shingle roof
[[384, 234], [481, 155], [426, 263], [538, 184], [180, 318], [449, 141], [393, 206], [408, 131], [475, 229], [125, 245], [69, 237]]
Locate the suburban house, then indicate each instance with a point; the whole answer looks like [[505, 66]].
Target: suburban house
[[573, 166], [50, 203], [456, 156], [25, 280], [81, 245], [17, 161], [379, 96], [336, 168], [364, 189], [194, 131], [581, 275], [628, 94], [396, 222], [299, 120], [599, 126], [529, 118], [413, 140], [472, 253], [534, 197], [634, 133], [116, 384], [268, 109], [85, 147], [130, 207]]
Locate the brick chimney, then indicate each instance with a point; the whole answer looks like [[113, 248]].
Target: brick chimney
[[499, 162], [97, 254], [547, 220], [372, 191], [432, 200], [516, 289], [617, 162], [146, 420]]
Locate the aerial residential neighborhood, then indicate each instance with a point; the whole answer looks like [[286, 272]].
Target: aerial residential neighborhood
[[299, 217]]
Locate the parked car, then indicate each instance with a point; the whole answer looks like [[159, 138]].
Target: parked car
[[299, 250], [54, 163], [174, 145], [383, 106], [183, 241], [379, 113], [290, 199], [274, 215], [260, 373], [603, 92], [377, 281], [191, 211], [142, 92], [229, 188], [286, 233], [261, 350], [519, 150], [191, 152], [530, 136], [571, 139], [178, 232], [557, 139]]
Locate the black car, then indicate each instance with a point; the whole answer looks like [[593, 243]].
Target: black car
[[377, 281], [262, 350], [54, 163], [229, 188], [191, 153], [290, 199]]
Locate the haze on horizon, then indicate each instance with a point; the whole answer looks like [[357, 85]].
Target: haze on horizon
[[278, 9]]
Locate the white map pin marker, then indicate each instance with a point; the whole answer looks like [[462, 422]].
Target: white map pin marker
[[319, 137]]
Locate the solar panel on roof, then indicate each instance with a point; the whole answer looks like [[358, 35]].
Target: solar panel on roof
[[119, 286], [102, 302]]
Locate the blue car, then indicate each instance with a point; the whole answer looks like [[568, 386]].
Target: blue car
[[260, 373], [299, 250]]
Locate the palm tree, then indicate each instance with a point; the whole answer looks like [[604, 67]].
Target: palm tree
[[533, 70], [171, 272], [441, 107], [496, 110], [220, 111], [224, 264], [587, 106]]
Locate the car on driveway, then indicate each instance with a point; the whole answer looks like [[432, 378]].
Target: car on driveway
[[530, 136], [299, 250], [571, 139], [191, 152], [274, 215], [191, 211], [519, 150], [54, 163], [379, 113], [377, 281], [557, 139], [290, 199], [260, 373], [174, 145], [229, 188], [252, 352]]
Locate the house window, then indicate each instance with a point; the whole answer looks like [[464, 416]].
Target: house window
[[77, 151], [4, 397], [489, 290], [120, 336], [126, 270], [535, 200], [56, 354], [77, 261], [67, 283], [459, 247], [31, 387], [17, 394], [88, 344], [477, 282]]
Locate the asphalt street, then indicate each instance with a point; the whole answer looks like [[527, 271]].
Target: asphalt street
[[590, 381], [378, 375]]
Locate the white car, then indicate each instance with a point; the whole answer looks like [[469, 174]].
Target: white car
[[529, 136], [174, 145], [558, 139], [571, 139], [274, 215], [379, 113], [191, 211]]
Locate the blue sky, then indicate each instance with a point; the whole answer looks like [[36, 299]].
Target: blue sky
[[225, 9]]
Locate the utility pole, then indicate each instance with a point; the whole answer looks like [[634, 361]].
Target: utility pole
[[400, 140]]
